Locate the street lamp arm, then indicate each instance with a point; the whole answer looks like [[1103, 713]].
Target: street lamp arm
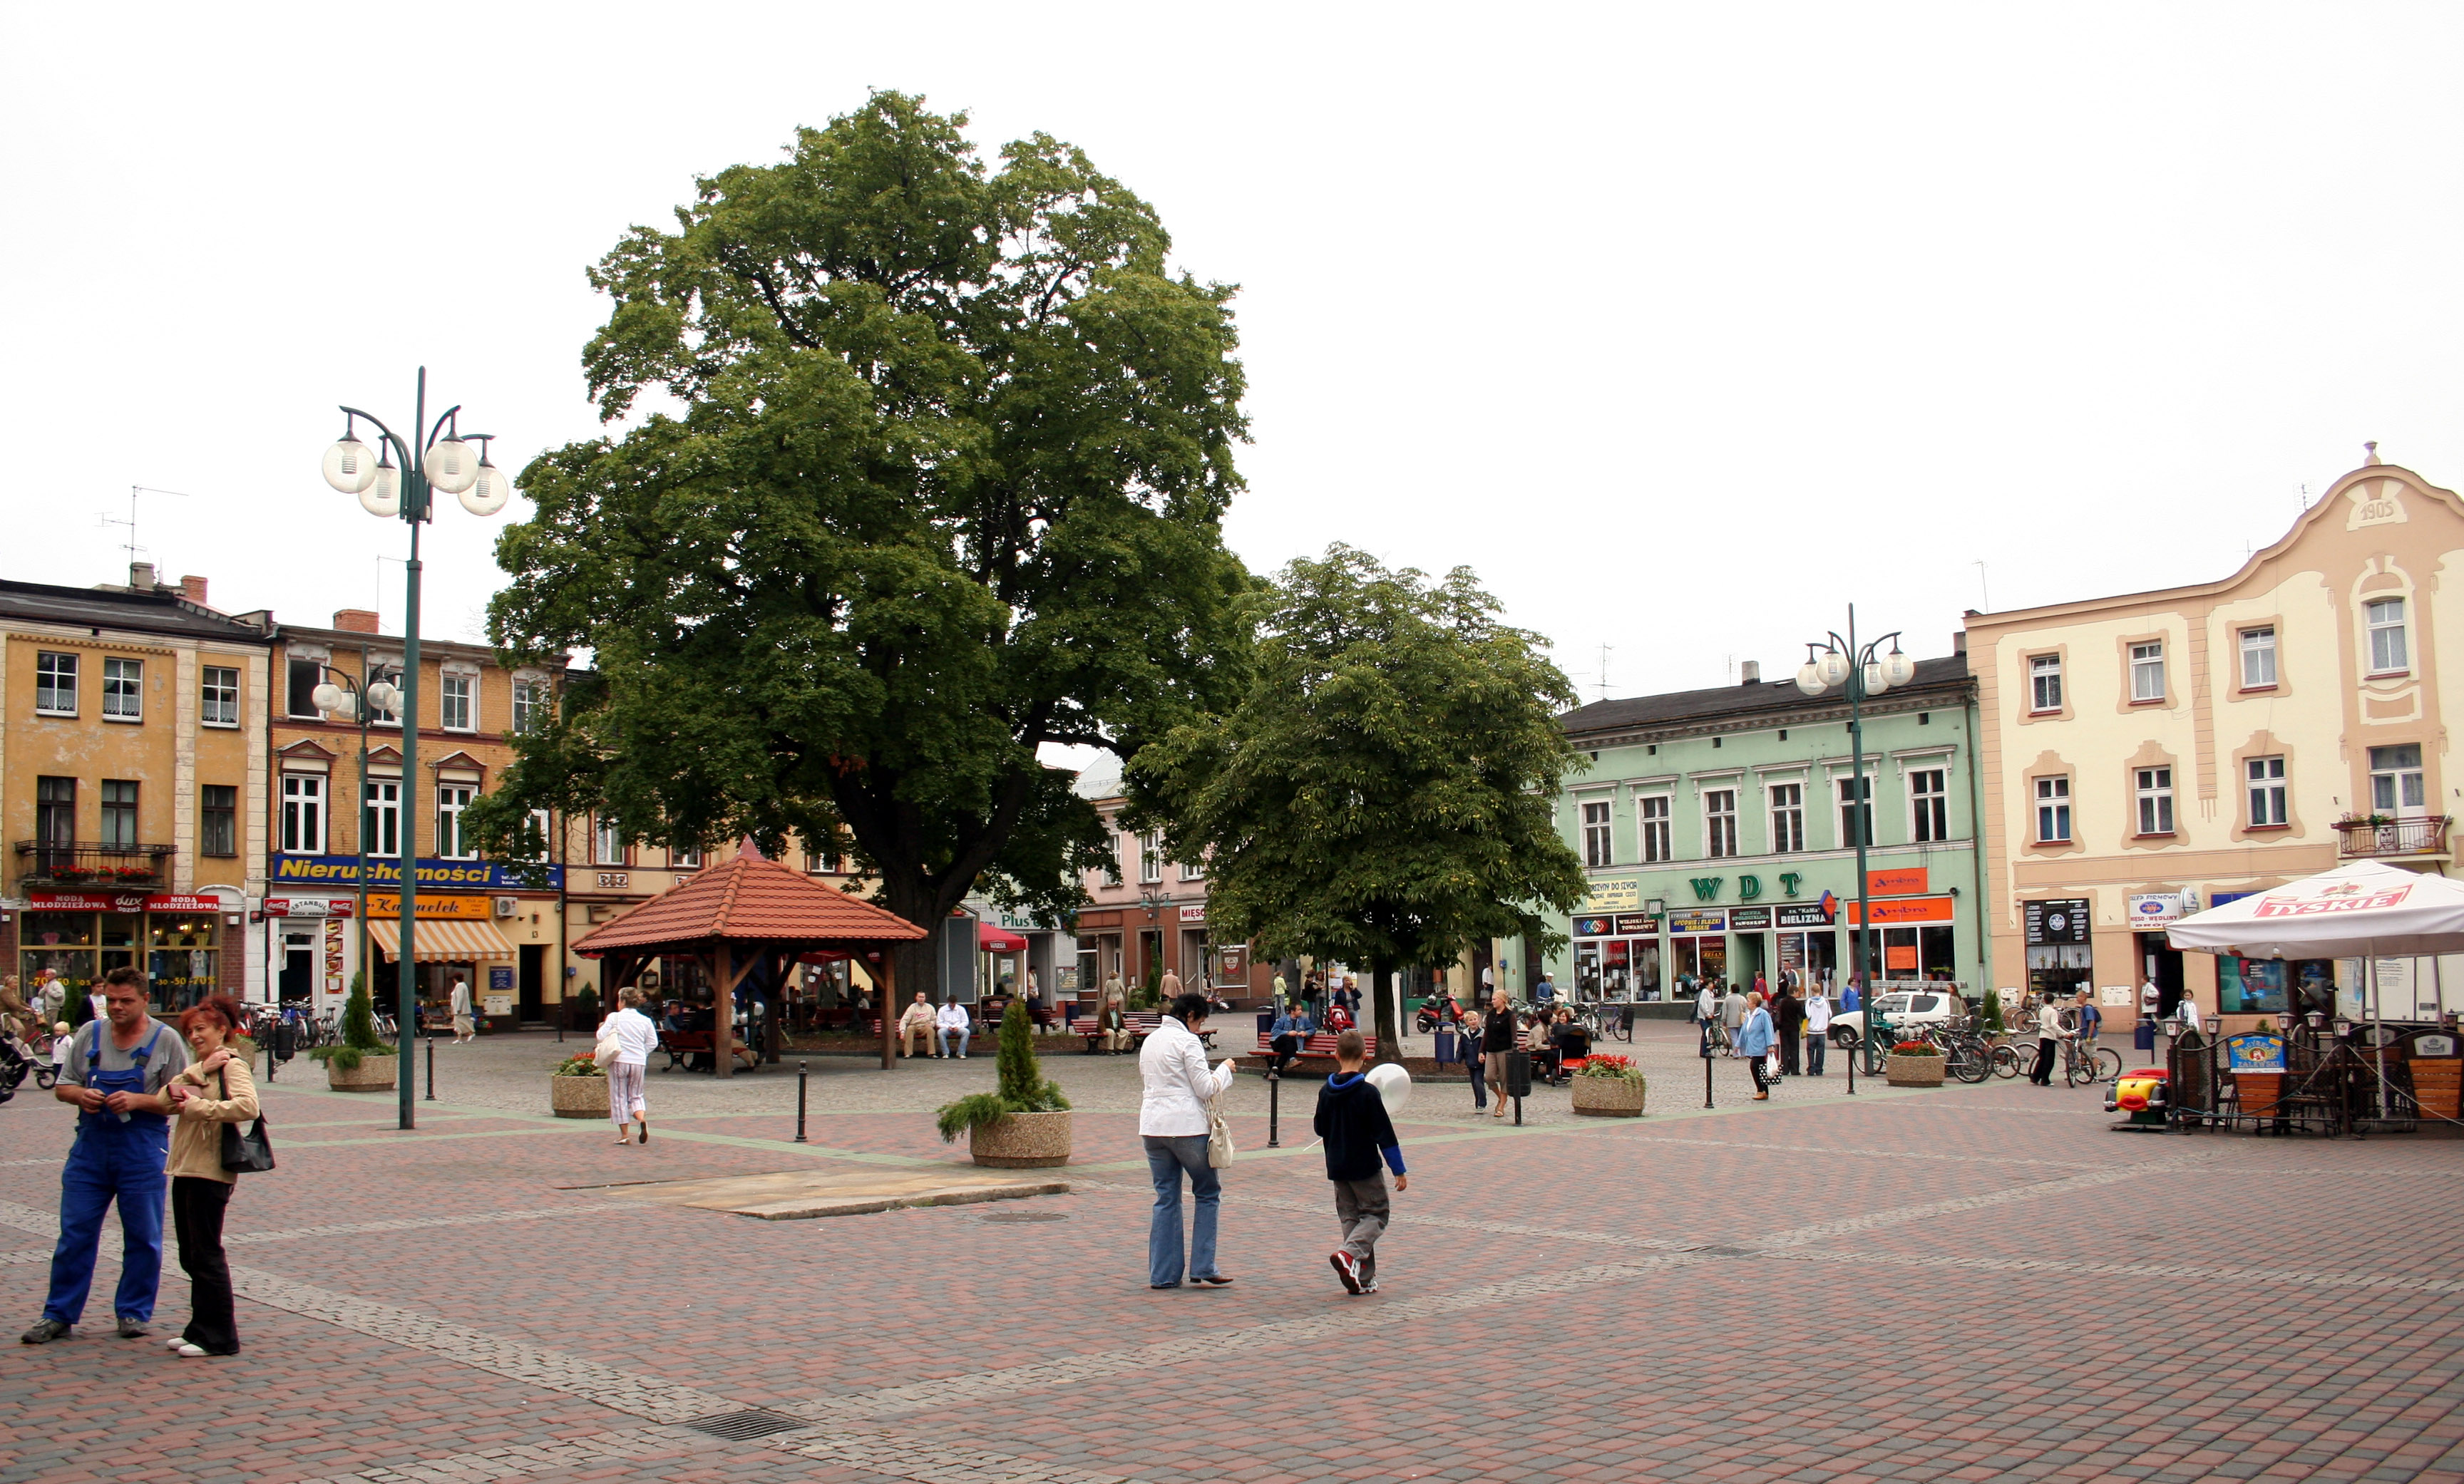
[[443, 418], [388, 434]]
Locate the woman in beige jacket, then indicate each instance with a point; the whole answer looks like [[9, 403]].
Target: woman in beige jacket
[[215, 1089]]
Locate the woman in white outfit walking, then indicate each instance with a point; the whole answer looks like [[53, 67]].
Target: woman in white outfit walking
[[635, 1037]]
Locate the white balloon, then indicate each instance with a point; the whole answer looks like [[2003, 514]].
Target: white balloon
[[1394, 1085]]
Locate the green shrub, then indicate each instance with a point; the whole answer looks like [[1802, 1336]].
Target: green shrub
[[360, 1038], [1020, 1084], [1990, 1015], [585, 1010]]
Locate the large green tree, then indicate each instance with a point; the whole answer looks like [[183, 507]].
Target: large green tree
[[933, 475], [1385, 792]]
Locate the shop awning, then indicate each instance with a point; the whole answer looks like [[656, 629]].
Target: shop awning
[[444, 940], [992, 939]]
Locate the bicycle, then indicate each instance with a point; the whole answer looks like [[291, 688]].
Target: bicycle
[[1967, 1055], [2082, 1068]]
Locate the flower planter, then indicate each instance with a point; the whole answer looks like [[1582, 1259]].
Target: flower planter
[[1913, 1071], [1607, 1097], [1021, 1141], [373, 1073], [578, 1096]]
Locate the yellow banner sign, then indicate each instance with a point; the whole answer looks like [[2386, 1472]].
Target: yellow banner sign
[[1613, 896], [390, 906]]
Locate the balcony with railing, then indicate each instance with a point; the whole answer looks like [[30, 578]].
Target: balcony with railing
[[53, 864], [2382, 837]]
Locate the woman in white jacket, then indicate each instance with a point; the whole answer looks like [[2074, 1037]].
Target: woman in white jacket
[[1173, 1124], [632, 1036]]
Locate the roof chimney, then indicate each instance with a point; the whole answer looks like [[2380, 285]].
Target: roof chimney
[[141, 577], [193, 589], [1750, 672], [1959, 641], [355, 620]]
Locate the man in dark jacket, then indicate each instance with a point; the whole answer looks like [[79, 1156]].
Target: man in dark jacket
[[1352, 1119]]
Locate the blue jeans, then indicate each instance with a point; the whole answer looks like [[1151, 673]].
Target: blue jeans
[[124, 1162], [1166, 1158], [961, 1031]]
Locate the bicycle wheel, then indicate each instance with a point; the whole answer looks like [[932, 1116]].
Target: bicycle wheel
[[1972, 1064], [2005, 1062], [2108, 1065]]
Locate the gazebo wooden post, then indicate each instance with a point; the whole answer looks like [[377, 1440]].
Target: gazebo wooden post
[[889, 998], [722, 1012]]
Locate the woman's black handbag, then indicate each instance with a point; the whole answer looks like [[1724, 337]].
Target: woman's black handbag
[[245, 1154]]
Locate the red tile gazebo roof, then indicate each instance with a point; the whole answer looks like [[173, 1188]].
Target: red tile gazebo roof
[[748, 899]]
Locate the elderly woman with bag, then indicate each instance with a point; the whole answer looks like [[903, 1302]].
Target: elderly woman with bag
[[623, 1051], [215, 1093]]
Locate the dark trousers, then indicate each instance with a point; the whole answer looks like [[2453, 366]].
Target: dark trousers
[[1286, 1047], [197, 1206], [1755, 1064], [1788, 1050], [1479, 1092], [2043, 1075], [1814, 1046]]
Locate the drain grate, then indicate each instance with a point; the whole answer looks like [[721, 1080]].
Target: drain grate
[[742, 1427], [1023, 1215], [1713, 1249]]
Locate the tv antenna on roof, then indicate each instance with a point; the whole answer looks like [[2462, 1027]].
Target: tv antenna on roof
[[1605, 651], [134, 491]]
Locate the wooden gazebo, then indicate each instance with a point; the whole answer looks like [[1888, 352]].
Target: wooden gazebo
[[741, 914]]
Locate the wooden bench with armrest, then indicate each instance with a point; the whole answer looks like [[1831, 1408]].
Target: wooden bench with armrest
[[682, 1045]]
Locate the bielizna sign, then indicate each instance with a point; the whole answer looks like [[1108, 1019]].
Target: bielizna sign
[[468, 875]]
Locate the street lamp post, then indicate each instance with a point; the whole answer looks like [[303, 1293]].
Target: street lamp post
[[445, 461], [357, 696], [1835, 663]]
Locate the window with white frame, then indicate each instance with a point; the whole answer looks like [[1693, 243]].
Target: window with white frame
[[1855, 811], [217, 696], [543, 825], [2054, 810], [390, 672], [55, 685], [454, 708], [2259, 656], [2388, 652], [607, 841], [530, 705], [2155, 787], [124, 690], [2267, 792], [684, 859], [2397, 781], [452, 798], [1719, 822], [1596, 849], [2147, 671], [303, 814], [381, 818], [1930, 803], [1653, 813], [1150, 858], [1193, 870], [2045, 683], [1787, 817]]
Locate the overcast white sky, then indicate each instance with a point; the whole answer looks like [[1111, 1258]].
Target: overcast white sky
[[1684, 325]]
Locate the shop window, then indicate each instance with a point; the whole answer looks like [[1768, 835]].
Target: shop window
[[2155, 787], [217, 696], [300, 691], [1855, 812], [2146, 672], [119, 814], [2045, 683], [1596, 849], [1930, 803], [2259, 656], [303, 814], [1655, 827], [2390, 653], [1787, 817], [381, 820], [2053, 811], [1719, 822], [2397, 781], [2267, 792], [454, 703], [180, 952], [123, 691], [452, 798], [218, 820], [55, 685], [607, 843]]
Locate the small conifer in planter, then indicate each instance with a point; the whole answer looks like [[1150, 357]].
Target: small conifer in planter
[[360, 1038], [1025, 1121]]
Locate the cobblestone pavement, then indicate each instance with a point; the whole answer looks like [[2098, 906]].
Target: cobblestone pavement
[[1965, 1284]]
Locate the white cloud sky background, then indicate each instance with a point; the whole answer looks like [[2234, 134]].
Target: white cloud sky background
[[1682, 325]]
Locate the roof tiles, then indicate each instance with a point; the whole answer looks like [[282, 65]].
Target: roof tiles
[[749, 898]]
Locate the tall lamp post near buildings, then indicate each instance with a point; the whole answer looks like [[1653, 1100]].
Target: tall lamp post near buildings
[[1834, 663], [445, 461], [351, 696]]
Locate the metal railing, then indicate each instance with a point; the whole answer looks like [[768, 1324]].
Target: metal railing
[[64, 863], [2359, 838]]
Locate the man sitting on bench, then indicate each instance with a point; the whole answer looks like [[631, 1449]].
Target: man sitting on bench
[[1291, 1033], [916, 1026]]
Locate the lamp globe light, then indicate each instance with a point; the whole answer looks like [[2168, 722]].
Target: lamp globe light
[[488, 491], [1897, 669], [450, 465], [1809, 678], [350, 466], [383, 496]]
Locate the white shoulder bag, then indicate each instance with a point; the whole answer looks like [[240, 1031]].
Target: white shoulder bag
[[1220, 1152]]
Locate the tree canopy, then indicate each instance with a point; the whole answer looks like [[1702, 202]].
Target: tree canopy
[[1385, 791], [932, 474]]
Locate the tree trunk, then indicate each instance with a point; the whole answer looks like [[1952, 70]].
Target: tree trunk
[[918, 964], [1384, 1012]]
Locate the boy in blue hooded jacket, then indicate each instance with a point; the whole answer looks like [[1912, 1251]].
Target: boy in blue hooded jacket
[[1352, 1119]]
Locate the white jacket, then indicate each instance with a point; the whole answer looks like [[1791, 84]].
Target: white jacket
[[953, 1016], [1817, 1013], [636, 1037], [1178, 1086]]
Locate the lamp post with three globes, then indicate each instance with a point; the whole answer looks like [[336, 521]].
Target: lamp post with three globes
[[446, 461]]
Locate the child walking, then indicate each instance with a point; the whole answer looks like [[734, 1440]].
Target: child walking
[[1352, 1119]]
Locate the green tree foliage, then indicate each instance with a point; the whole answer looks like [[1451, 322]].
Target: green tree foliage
[[1020, 1086], [935, 476], [360, 1038], [1385, 792]]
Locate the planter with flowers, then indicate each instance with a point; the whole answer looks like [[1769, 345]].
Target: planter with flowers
[[1913, 1064], [1609, 1087], [578, 1088]]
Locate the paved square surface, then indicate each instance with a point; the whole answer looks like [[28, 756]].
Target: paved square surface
[[1969, 1283]]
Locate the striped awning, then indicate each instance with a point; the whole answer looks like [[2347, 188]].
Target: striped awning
[[442, 940]]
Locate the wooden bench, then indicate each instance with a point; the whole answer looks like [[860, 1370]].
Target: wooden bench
[[682, 1044], [1320, 1045], [1139, 1023]]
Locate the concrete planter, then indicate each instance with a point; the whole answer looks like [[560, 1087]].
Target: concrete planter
[[373, 1073], [1607, 1097], [578, 1096], [1914, 1071], [1022, 1140]]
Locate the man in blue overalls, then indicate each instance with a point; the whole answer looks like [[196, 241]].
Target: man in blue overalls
[[115, 1073]]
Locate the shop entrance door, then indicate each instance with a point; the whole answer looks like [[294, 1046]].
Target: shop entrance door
[[531, 981], [298, 976], [2161, 963]]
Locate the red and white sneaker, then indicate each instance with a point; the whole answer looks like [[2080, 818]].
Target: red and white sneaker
[[1347, 1267]]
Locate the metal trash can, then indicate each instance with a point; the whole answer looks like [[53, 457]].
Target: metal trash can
[[2142, 1035], [1445, 1044], [1518, 1073]]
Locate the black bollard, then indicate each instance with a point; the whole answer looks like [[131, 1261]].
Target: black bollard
[[431, 1067], [1275, 1104], [1707, 1068], [802, 1068]]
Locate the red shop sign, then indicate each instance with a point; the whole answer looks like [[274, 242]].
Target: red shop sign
[[118, 901]]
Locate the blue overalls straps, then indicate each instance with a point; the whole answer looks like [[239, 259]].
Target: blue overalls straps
[[117, 1156]]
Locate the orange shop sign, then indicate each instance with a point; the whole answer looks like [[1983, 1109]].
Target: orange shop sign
[[390, 905], [1899, 880], [1904, 909]]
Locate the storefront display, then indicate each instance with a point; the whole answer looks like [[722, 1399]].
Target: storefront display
[[175, 940], [2059, 959], [1617, 957]]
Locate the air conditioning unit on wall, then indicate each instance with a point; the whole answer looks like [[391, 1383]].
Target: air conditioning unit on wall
[[507, 907]]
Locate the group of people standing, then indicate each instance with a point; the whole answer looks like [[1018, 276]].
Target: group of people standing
[[1779, 1031]]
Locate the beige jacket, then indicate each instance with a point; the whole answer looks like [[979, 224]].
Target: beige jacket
[[197, 1137]]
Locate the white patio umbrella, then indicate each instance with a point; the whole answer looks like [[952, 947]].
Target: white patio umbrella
[[2363, 909]]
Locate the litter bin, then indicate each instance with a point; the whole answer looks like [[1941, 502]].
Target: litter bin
[[1518, 1073], [2142, 1035], [1445, 1044]]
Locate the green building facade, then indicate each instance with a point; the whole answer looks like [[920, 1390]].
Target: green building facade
[[1716, 832]]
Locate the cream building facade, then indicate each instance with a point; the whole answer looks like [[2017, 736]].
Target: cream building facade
[[2155, 753]]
